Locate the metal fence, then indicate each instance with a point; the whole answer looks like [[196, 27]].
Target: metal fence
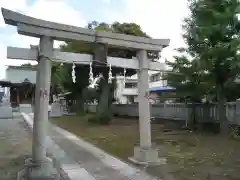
[[176, 111]]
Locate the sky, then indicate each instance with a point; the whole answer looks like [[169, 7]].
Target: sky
[[158, 18]]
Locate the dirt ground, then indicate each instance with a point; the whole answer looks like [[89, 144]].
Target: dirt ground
[[190, 156], [195, 156], [14, 149]]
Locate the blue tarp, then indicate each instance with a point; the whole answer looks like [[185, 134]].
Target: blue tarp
[[162, 89]]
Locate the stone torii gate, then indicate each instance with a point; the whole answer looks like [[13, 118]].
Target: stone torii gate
[[45, 54]]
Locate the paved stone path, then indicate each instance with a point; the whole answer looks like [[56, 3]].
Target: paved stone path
[[93, 162], [15, 146]]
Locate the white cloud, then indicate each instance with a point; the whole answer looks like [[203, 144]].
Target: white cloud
[[158, 18], [12, 5], [56, 10]]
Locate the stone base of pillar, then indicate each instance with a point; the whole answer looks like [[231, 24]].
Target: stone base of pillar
[[42, 171], [143, 156]]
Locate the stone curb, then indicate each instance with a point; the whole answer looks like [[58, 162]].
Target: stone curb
[[68, 168], [125, 169], [73, 171]]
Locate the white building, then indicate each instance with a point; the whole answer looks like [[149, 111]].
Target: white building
[[128, 93], [19, 84]]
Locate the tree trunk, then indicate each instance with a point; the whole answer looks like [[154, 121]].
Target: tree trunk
[[80, 104], [221, 113], [192, 124], [103, 104]]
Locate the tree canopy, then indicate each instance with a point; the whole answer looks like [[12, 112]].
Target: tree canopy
[[63, 73], [188, 79], [212, 37], [82, 47], [211, 33]]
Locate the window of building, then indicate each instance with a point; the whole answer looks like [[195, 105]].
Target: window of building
[[130, 85], [155, 77], [131, 99]]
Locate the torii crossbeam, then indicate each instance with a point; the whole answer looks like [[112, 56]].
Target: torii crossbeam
[[49, 31], [77, 58]]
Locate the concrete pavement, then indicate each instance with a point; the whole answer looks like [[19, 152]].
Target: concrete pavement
[[81, 160]]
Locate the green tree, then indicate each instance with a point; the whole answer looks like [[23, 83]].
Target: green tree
[[105, 91], [212, 36], [190, 83], [59, 77]]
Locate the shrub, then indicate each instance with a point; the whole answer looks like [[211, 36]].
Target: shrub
[[104, 119], [92, 119]]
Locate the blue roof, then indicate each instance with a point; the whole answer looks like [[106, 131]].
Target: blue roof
[[162, 89]]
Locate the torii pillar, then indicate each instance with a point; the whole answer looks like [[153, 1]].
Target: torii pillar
[[144, 154], [40, 167], [40, 125]]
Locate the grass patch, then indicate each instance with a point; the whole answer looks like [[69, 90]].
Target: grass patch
[[190, 156], [117, 138]]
